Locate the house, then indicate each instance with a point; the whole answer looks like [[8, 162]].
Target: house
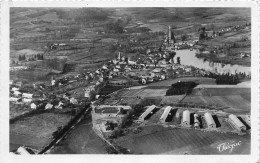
[[165, 114], [27, 95], [73, 101], [13, 99], [60, 105], [186, 118], [209, 120], [48, 106], [27, 100], [118, 82], [147, 112], [33, 106], [15, 89], [236, 123], [17, 93], [22, 151], [53, 82]]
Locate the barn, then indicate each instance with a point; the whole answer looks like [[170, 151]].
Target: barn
[[186, 118], [165, 114], [148, 111], [236, 122], [209, 120]]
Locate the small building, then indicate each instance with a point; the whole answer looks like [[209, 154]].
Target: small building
[[248, 119], [13, 99], [209, 120], [33, 106], [22, 151], [147, 112], [73, 101], [165, 114], [48, 106], [27, 95], [236, 122], [27, 100], [196, 121], [186, 118], [15, 89]]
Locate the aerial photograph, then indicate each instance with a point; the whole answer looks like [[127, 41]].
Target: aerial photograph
[[130, 80]]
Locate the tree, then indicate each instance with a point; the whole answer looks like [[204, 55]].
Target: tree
[[172, 55], [178, 60], [19, 58], [184, 37]]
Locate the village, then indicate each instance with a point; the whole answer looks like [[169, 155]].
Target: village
[[131, 96]]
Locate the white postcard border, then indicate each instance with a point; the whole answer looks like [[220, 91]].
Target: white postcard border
[[4, 116]]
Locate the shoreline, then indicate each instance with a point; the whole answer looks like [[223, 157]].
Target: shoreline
[[226, 60]]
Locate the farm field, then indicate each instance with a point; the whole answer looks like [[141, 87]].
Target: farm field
[[199, 80], [234, 103], [142, 92], [36, 131], [160, 140], [167, 100]]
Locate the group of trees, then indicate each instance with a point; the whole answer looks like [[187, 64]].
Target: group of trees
[[228, 78], [32, 58], [180, 88], [21, 58]]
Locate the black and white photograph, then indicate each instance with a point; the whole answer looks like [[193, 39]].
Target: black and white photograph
[[130, 80]]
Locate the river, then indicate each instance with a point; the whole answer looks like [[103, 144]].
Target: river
[[188, 57]]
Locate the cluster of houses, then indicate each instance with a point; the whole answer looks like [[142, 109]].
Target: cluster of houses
[[229, 29]]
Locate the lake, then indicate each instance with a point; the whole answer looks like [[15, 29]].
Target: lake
[[188, 57]]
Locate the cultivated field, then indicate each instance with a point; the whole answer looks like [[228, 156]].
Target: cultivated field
[[233, 99], [199, 80], [160, 140], [36, 131], [142, 93]]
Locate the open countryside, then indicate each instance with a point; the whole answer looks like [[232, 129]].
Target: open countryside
[[173, 81]]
